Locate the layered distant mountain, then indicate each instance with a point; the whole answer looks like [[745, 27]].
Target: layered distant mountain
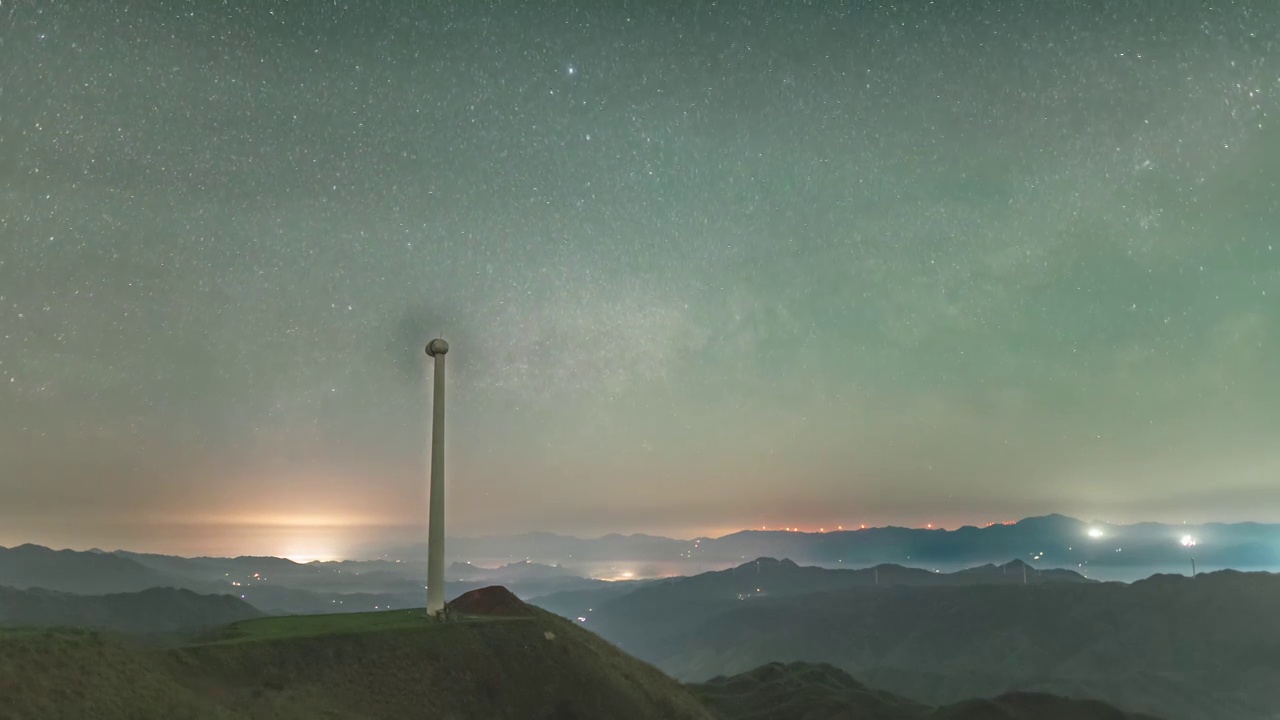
[[1183, 648], [1187, 649], [681, 603], [1121, 551], [157, 610], [29, 566], [580, 603], [818, 691], [273, 585]]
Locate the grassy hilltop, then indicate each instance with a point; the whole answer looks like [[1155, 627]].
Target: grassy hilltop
[[394, 664]]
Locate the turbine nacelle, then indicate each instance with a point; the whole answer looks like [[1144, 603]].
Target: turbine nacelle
[[437, 347]]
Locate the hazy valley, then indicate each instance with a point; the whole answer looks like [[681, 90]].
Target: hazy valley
[[885, 641], [498, 658]]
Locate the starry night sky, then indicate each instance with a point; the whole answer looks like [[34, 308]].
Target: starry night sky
[[702, 265]]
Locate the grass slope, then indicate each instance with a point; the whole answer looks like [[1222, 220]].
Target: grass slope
[[1034, 706], [817, 691], [157, 610], [73, 674], [371, 665]]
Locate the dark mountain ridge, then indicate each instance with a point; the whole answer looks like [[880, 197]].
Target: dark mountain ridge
[[1183, 648], [818, 691], [73, 571], [273, 585], [682, 602]]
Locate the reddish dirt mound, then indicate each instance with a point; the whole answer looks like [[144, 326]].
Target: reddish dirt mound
[[492, 600]]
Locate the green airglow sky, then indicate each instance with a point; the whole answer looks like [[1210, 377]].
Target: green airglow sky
[[702, 266]]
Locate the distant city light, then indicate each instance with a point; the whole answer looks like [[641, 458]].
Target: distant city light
[[1188, 541], [1095, 532]]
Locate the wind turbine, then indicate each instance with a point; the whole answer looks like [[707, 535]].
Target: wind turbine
[[435, 529], [1189, 541]]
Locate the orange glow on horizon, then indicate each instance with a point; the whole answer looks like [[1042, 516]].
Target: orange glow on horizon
[[282, 520], [303, 559]]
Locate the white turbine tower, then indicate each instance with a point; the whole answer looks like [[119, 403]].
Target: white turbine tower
[[435, 529]]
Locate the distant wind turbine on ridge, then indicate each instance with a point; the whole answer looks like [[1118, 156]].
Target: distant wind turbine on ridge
[[435, 529]]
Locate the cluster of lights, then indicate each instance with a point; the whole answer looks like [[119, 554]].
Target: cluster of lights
[[799, 529], [1187, 541], [863, 526], [246, 583]]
